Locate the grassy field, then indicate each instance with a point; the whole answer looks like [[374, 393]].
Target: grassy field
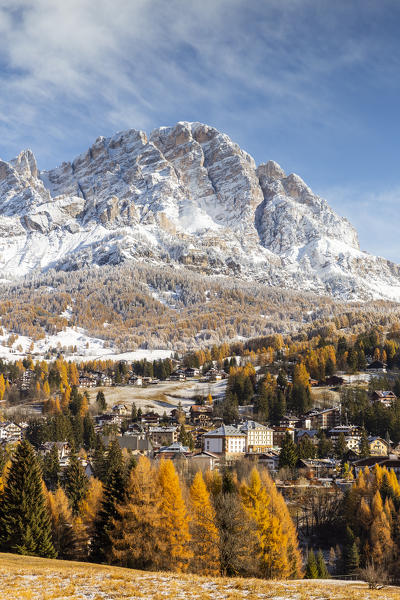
[[162, 397], [28, 578]]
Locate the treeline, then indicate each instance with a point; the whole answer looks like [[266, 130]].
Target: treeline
[[147, 517]]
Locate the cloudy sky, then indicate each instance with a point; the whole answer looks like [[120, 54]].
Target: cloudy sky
[[312, 84]]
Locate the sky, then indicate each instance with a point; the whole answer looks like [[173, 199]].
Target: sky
[[311, 84]]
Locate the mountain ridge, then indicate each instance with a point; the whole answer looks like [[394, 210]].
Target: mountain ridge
[[189, 196]]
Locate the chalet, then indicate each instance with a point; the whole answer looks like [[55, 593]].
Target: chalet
[[175, 451], [26, 380], [289, 421], [163, 436], [134, 380], [258, 437], [109, 419], [192, 372], [226, 440], [392, 463], [377, 366], [385, 397], [215, 375], [10, 432], [279, 433], [135, 442], [178, 375], [104, 380], [121, 409], [319, 467], [324, 419], [201, 414], [150, 418], [352, 435], [378, 446], [307, 434], [63, 449], [269, 459], [205, 461], [87, 381]]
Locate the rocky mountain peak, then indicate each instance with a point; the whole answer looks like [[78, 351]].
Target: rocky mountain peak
[[25, 165], [189, 195], [271, 169]]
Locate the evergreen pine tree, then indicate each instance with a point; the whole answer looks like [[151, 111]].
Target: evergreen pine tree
[[101, 401], [135, 534], [51, 468], [89, 436], [321, 565], [364, 445], [341, 446], [351, 557], [24, 517], [113, 460], [114, 493], [228, 483], [75, 483], [288, 453], [134, 412], [311, 567]]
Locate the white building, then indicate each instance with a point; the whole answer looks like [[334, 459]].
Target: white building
[[10, 432], [259, 438], [227, 439]]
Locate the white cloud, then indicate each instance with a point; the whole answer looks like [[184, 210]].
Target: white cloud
[[120, 63]]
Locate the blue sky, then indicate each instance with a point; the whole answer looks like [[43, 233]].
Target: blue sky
[[312, 84]]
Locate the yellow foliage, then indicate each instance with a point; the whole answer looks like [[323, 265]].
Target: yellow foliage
[[205, 559]]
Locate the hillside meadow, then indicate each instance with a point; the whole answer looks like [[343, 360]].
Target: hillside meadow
[[31, 578]]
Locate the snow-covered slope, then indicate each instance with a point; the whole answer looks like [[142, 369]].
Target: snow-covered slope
[[190, 196]]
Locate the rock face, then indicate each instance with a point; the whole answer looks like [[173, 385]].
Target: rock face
[[187, 195]]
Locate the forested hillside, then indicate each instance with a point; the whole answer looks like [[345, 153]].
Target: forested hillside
[[135, 305]]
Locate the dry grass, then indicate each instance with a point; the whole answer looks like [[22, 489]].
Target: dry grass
[[162, 397], [28, 578]]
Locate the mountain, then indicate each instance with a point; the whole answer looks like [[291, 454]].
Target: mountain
[[188, 196]]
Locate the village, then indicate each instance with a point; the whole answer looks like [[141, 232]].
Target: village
[[177, 417]]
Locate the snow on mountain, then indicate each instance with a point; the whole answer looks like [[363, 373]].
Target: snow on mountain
[[190, 196], [74, 343]]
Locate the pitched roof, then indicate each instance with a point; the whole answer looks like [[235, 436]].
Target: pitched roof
[[225, 430], [247, 425]]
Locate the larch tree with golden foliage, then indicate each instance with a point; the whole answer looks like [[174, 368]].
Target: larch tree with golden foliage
[[84, 521], [279, 509], [272, 541], [135, 537], [174, 520], [204, 544], [64, 539], [2, 386]]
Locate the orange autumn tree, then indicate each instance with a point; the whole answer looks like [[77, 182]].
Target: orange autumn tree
[[279, 509], [205, 559], [174, 520], [272, 540]]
